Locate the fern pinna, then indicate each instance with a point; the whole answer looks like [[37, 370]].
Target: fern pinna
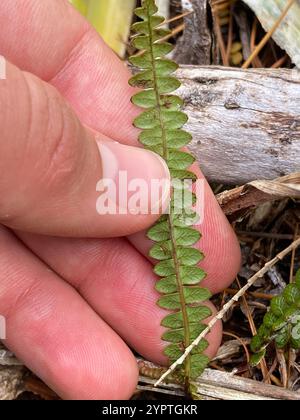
[[281, 323], [174, 236]]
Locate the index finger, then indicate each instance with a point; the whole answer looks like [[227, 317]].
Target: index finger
[[54, 42]]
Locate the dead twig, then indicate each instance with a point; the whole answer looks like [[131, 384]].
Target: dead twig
[[263, 364], [241, 341], [228, 306]]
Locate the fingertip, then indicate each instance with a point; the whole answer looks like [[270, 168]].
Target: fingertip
[[57, 335], [118, 383], [140, 180]]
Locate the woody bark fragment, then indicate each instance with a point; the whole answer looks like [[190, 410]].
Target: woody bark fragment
[[245, 123]]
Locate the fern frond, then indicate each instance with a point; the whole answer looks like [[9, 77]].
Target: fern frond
[[281, 324], [161, 123]]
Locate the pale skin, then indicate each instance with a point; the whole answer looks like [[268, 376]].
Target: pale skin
[[76, 288]]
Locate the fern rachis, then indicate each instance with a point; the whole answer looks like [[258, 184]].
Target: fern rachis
[[161, 123]]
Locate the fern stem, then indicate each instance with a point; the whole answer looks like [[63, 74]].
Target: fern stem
[[187, 365], [170, 216], [164, 141], [173, 235]]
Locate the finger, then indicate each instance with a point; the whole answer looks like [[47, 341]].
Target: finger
[[218, 243], [57, 335], [50, 39], [118, 283], [82, 52], [55, 172], [78, 52]]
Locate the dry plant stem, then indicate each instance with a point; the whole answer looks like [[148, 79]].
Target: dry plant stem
[[220, 5], [293, 255], [37, 387], [266, 38], [215, 366], [256, 61], [181, 16], [279, 63], [276, 381], [268, 235], [230, 35], [229, 305], [283, 367], [289, 367], [216, 8], [256, 295], [263, 364], [175, 31], [243, 344], [221, 41], [272, 369]]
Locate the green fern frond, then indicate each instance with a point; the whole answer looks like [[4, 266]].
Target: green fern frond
[[281, 324], [161, 123]]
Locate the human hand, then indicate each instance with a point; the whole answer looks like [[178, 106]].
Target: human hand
[[74, 306]]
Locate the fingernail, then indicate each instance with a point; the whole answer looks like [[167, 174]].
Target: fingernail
[[137, 180]]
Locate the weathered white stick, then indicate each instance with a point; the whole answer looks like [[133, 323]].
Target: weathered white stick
[[216, 385], [163, 8], [229, 305], [245, 123]]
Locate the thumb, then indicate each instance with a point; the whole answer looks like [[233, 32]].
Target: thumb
[[60, 178]]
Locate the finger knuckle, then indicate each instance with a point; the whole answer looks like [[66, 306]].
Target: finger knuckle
[[59, 142], [40, 147]]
